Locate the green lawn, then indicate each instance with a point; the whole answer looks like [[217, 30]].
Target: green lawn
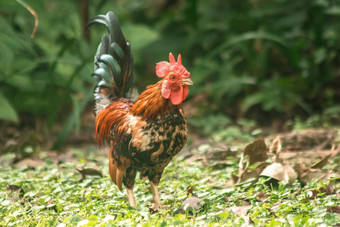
[[51, 193]]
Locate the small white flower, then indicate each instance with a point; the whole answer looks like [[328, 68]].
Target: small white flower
[[6, 203], [108, 218], [83, 222]]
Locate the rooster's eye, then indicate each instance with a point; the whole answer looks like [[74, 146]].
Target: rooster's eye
[[172, 77]]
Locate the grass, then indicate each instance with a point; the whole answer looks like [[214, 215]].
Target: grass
[[52, 194]]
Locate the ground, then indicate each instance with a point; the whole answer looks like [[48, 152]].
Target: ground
[[73, 188]]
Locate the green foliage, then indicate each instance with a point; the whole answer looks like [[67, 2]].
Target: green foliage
[[7, 112], [263, 56], [43, 76], [220, 128], [255, 58], [211, 123], [260, 59]]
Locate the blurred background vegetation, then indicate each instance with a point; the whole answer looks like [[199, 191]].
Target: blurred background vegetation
[[254, 62]]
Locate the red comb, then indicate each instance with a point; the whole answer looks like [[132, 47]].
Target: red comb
[[163, 67]]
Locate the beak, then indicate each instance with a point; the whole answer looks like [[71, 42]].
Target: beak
[[187, 81]]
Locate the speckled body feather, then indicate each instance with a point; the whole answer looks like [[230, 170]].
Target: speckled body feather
[[140, 141]]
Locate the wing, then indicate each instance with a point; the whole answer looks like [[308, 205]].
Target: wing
[[128, 140], [113, 117]]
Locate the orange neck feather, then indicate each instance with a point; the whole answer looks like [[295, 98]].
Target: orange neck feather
[[151, 102]]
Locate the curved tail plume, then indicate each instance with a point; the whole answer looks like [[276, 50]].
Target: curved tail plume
[[113, 63]]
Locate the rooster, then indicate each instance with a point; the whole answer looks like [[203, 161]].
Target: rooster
[[143, 135]]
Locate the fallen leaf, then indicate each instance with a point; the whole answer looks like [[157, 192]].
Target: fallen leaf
[[241, 202], [306, 175], [179, 211], [226, 199], [276, 148], [233, 180], [256, 151], [89, 172], [301, 169], [321, 163], [193, 202], [152, 211], [251, 221], [29, 162], [335, 209], [255, 173], [241, 210], [281, 172], [317, 174], [14, 188], [261, 196]]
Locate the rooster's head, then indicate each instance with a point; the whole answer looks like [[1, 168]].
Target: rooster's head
[[175, 79]]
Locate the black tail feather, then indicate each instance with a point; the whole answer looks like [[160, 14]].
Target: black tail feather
[[113, 63]]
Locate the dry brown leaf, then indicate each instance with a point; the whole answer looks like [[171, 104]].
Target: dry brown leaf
[[193, 202], [241, 210], [226, 199], [178, 211], [306, 175], [18, 192], [256, 151], [261, 196], [317, 174], [276, 148], [233, 179], [255, 173], [29, 162], [281, 172], [89, 172], [320, 164], [13, 188], [335, 209], [301, 169], [251, 221]]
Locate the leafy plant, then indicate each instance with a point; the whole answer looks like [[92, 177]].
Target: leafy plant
[[79, 192], [259, 59]]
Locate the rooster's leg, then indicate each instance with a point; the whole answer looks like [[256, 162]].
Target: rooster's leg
[[131, 197], [156, 198]]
